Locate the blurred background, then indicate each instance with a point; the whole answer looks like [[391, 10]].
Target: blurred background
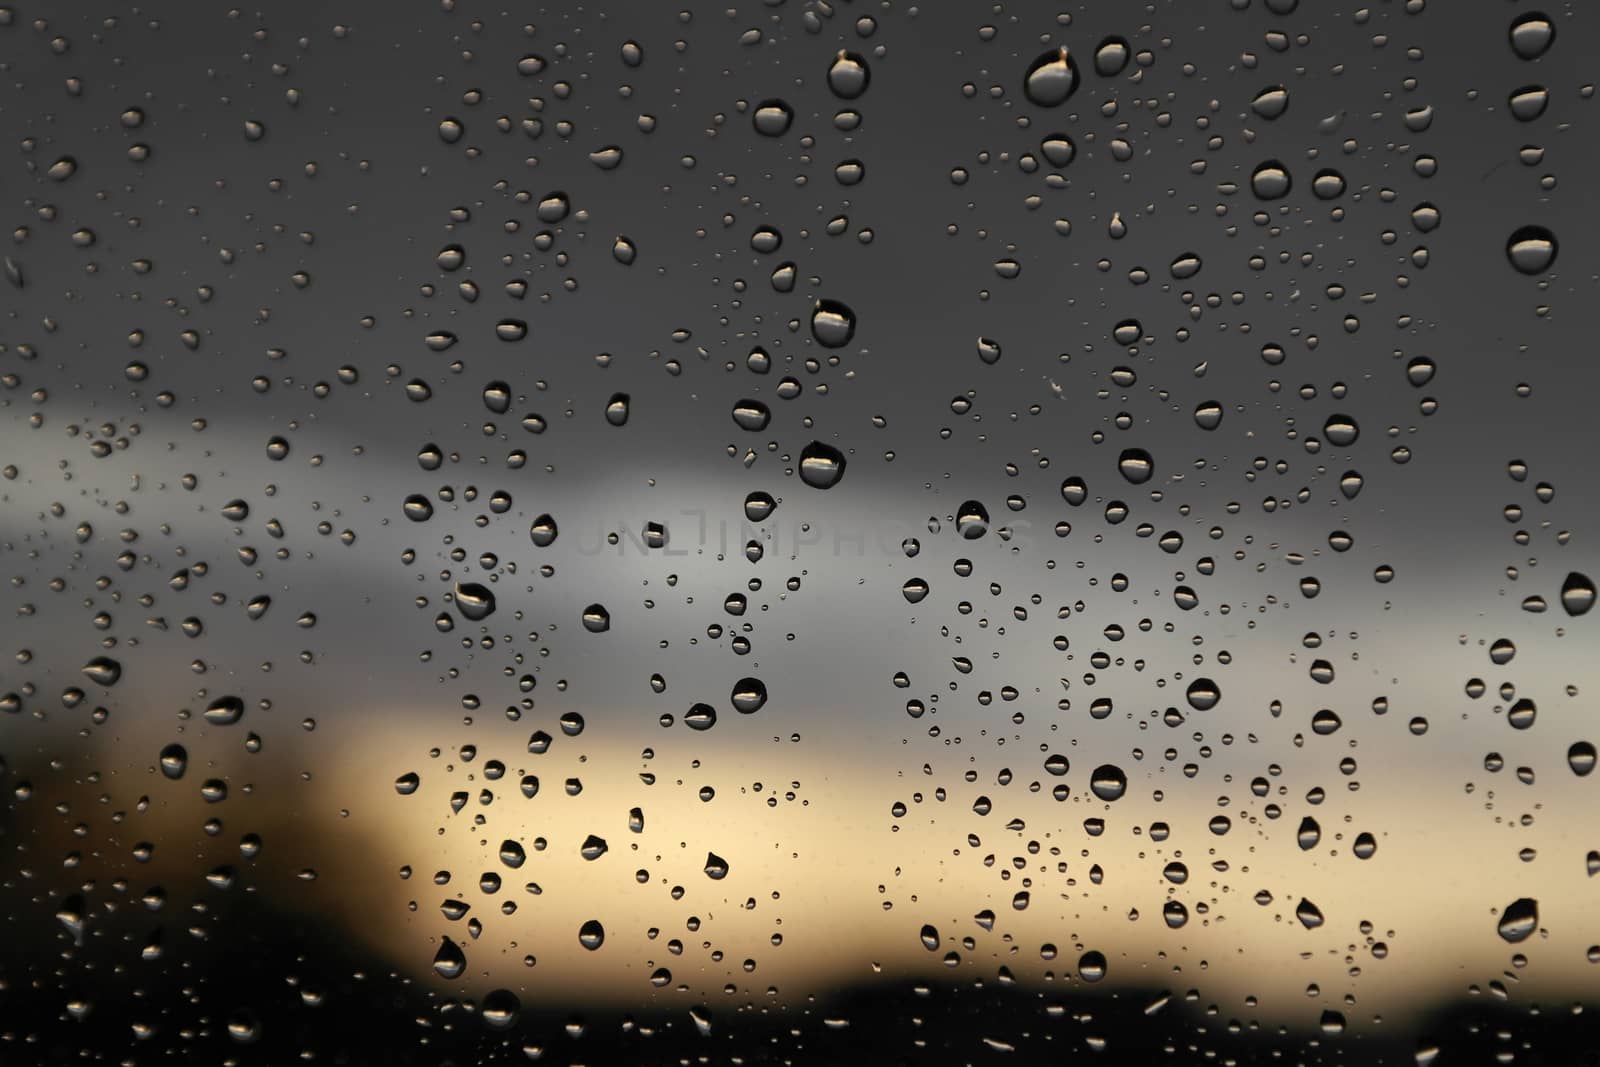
[[798, 533]]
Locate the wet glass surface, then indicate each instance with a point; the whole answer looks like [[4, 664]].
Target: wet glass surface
[[799, 533]]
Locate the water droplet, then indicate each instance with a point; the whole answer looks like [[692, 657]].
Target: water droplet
[[972, 520], [749, 695], [591, 935], [449, 961], [1341, 430], [716, 867], [596, 619], [407, 783], [848, 75], [1058, 149], [929, 936], [1208, 415], [1203, 694], [553, 207], [174, 761], [772, 118], [1519, 920], [821, 465], [1522, 714], [1528, 102], [1051, 78], [224, 711], [500, 1009], [1111, 57], [474, 601], [1092, 966], [1136, 465], [915, 590], [1309, 914], [1271, 102], [1581, 758], [1577, 594], [1271, 181], [832, 323], [988, 351], [543, 531], [700, 716], [617, 409], [758, 506], [751, 415], [1327, 185], [103, 671], [1532, 34], [1108, 782]]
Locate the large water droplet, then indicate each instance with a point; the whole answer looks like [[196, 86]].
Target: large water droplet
[[772, 118], [174, 761], [749, 695], [1271, 102], [1108, 782], [1532, 249], [1136, 465], [1581, 758], [832, 323], [972, 520], [1051, 78], [848, 75], [1577, 594], [103, 671], [751, 415], [1111, 57], [500, 1009], [821, 465], [1532, 34], [617, 409], [1271, 181], [474, 601], [224, 711], [1519, 920], [758, 506], [449, 961]]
